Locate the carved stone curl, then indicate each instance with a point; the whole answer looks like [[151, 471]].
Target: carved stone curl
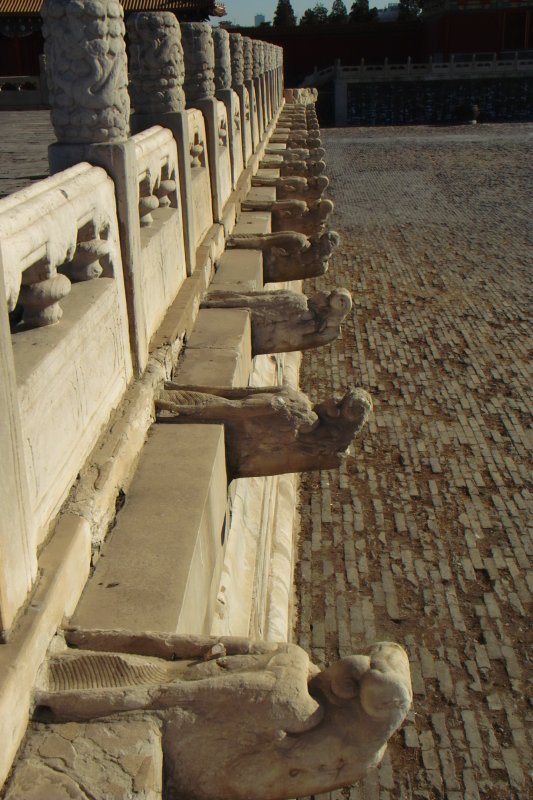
[[199, 54], [233, 710], [237, 59], [222, 59], [295, 188], [156, 63], [86, 70], [290, 256], [271, 430], [283, 321]]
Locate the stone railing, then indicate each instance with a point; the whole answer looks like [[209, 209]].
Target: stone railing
[[103, 271], [154, 430], [358, 86], [430, 70]]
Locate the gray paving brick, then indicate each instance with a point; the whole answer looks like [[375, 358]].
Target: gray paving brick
[[433, 498]]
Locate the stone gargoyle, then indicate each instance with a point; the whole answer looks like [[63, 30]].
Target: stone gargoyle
[[295, 215], [239, 720], [297, 153], [298, 139], [283, 321], [270, 430], [295, 187], [304, 168], [289, 256]]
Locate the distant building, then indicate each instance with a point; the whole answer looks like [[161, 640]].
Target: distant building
[[389, 14], [478, 26], [259, 19]]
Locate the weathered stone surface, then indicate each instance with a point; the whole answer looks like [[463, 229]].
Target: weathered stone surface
[[156, 65], [306, 731], [222, 59], [283, 321], [237, 59], [114, 760], [290, 256], [86, 70], [199, 54], [271, 430]]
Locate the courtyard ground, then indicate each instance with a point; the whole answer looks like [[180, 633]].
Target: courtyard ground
[[422, 537]]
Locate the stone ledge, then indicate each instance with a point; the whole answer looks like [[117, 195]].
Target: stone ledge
[[253, 222], [160, 566], [239, 271], [64, 568], [219, 352]]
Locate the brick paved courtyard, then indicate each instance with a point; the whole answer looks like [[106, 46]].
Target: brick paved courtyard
[[422, 536]]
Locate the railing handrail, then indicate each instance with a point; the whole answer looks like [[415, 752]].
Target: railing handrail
[[406, 69]]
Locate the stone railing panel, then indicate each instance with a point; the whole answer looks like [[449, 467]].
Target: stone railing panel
[[199, 166], [60, 255], [162, 245], [223, 164]]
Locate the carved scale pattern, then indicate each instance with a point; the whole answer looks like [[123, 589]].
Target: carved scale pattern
[[104, 671]]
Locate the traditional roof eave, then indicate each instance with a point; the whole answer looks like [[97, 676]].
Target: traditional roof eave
[[185, 7]]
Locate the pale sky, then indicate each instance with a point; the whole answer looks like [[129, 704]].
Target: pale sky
[[242, 12]]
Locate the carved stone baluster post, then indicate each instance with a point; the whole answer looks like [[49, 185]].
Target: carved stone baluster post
[[267, 80], [237, 84], [90, 108], [272, 67], [281, 84], [257, 50], [264, 84], [225, 93], [157, 73], [248, 52], [199, 55]]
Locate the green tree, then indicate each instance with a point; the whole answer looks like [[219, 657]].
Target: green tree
[[338, 13], [284, 16], [318, 15], [360, 12]]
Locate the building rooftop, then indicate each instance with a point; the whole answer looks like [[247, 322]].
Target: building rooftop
[[181, 8]]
